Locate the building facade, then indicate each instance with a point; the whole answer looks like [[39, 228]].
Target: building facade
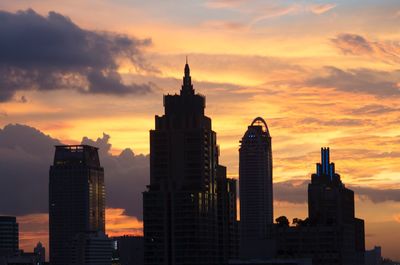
[[256, 191], [91, 248], [9, 236], [128, 250], [180, 211], [76, 199]]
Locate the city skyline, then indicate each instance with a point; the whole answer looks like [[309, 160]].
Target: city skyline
[[318, 76]]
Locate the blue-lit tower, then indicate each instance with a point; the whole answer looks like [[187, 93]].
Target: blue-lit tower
[[329, 201]]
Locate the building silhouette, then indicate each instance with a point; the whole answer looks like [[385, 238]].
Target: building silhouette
[[76, 199], [40, 252], [228, 235], [9, 236], [373, 256], [91, 248], [128, 250], [180, 207], [331, 235], [256, 192], [22, 258], [329, 201]]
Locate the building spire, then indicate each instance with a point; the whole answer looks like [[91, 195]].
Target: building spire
[[187, 86], [326, 168]]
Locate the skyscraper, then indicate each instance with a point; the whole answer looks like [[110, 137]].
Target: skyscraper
[[180, 205], [331, 235], [255, 186], [331, 203], [8, 236], [76, 199]]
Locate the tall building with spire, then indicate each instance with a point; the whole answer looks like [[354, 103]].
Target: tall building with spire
[[180, 210], [329, 201], [256, 192], [76, 199], [331, 235]]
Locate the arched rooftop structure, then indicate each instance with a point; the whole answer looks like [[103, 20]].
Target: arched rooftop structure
[[255, 188], [258, 121]]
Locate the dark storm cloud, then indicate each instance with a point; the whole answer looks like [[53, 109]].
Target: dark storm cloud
[[377, 83], [52, 52], [26, 155]]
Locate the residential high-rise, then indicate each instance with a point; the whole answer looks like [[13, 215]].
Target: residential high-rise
[[255, 186], [8, 236], [180, 205], [76, 198]]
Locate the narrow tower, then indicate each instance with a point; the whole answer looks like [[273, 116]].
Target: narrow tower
[[255, 184]]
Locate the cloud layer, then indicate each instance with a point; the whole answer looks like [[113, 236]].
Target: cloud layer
[[48, 53]]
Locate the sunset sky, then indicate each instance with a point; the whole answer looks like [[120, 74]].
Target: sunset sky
[[321, 73]]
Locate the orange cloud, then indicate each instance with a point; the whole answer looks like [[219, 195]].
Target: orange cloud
[[321, 8], [216, 4], [119, 224], [397, 218], [275, 11]]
